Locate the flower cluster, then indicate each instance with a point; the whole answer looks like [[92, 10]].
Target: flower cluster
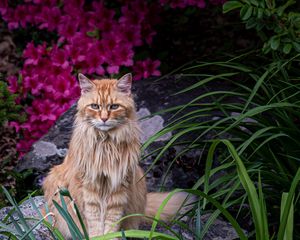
[[47, 78], [93, 37]]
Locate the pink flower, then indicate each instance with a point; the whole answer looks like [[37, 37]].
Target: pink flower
[[130, 35], [23, 146], [59, 57], [68, 26], [33, 83], [15, 125], [148, 33], [13, 84], [146, 68], [46, 2], [113, 69], [124, 55], [22, 15], [34, 54], [3, 7], [49, 18]]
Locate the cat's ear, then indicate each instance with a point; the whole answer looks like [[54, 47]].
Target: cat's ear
[[124, 84], [86, 84]]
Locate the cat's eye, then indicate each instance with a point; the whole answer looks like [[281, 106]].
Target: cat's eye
[[95, 106], [114, 106]]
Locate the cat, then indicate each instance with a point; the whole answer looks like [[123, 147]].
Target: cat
[[101, 169]]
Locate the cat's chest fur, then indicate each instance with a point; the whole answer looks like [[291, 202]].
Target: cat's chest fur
[[106, 162]]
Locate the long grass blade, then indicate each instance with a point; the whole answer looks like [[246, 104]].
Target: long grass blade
[[255, 89], [288, 206], [263, 213], [75, 232], [249, 188], [288, 234]]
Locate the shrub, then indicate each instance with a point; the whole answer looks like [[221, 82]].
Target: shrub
[[275, 22], [9, 110]]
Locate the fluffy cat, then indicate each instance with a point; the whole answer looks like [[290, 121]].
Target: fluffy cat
[[101, 169]]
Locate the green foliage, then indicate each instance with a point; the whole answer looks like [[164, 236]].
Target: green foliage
[[257, 200], [278, 27], [23, 230], [259, 112], [9, 110]]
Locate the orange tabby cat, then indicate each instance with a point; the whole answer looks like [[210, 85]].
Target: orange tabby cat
[[101, 168]]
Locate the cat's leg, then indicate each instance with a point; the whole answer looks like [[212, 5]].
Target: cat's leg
[[113, 215], [136, 202], [94, 213], [51, 186], [115, 210]]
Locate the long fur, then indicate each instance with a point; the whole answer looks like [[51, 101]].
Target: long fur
[[101, 168], [178, 204]]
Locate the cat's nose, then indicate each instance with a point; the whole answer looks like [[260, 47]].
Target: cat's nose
[[104, 119]]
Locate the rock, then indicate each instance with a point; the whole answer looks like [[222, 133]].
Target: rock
[[219, 230], [28, 211]]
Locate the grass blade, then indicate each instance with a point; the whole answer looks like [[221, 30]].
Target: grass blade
[[75, 232], [288, 206], [141, 234], [288, 234]]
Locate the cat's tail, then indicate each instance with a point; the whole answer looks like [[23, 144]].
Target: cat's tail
[[180, 202]]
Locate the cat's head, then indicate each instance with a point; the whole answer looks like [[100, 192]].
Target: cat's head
[[106, 104]]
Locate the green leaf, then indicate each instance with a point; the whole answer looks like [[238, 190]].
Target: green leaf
[[296, 46], [270, 3], [95, 33], [254, 2], [230, 5], [246, 12], [260, 13], [281, 9], [267, 12], [262, 3], [251, 23], [275, 41], [287, 48]]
